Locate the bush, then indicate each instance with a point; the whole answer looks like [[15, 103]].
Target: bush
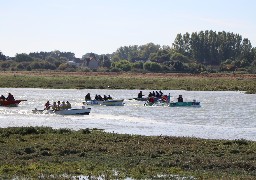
[[114, 69], [152, 67]]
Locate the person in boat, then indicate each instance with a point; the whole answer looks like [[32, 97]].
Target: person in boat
[[109, 97], [161, 93], [96, 97], [100, 98], [68, 105], [58, 106], [10, 97], [168, 98], [63, 105], [164, 98], [88, 97], [150, 94], [105, 97], [157, 94], [54, 106], [47, 105], [151, 99], [140, 94], [154, 94], [2, 98], [180, 98]]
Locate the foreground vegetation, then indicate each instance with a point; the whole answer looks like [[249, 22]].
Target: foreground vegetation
[[94, 80], [42, 152]]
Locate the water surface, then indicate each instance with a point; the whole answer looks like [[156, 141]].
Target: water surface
[[223, 115]]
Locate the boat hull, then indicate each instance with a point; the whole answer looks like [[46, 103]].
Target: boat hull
[[119, 102], [141, 99], [185, 104], [83, 111], [13, 103], [74, 111], [155, 104]]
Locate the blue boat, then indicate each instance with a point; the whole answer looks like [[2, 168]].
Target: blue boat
[[194, 103]]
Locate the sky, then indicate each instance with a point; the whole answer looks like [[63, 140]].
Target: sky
[[103, 26]]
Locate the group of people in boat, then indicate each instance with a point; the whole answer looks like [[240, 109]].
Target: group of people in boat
[[98, 97], [10, 97], [56, 106], [152, 94], [158, 96]]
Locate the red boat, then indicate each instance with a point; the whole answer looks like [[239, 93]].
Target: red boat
[[12, 103]]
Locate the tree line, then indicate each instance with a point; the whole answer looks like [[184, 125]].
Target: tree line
[[198, 52]]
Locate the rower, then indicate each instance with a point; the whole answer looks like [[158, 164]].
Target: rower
[[140, 95], [2, 98], [180, 98], [47, 105], [10, 97]]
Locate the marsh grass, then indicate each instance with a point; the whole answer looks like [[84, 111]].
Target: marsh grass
[[46, 152], [60, 80]]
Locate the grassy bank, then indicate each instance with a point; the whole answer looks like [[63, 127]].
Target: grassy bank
[[208, 82], [42, 152]]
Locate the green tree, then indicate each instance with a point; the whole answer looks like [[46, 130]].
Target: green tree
[[213, 48], [124, 65], [2, 56], [23, 58], [137, 65], [146, 50], [152, 67]]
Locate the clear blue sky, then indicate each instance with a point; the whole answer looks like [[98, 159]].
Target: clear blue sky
[[102, 26]]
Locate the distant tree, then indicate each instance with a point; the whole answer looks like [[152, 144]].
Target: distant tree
[[42, 65], [137, 65], [22, 65], [115, 58], [146, 50], [127, 52], [2, 56], [124, 65], [178, 66], [152, 67], [213, 48], [135, 53], [179, 57], [23, 58], [6, 64], [40, 55], [105, 61]]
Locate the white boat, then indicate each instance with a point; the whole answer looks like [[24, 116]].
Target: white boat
[[72, 111], [110, 102]]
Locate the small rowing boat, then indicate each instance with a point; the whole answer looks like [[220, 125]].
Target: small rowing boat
[[185, 104], [140, 99], [72, 111], [10, 103], [110, 102]]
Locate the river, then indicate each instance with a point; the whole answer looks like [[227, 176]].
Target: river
[[222, 115]]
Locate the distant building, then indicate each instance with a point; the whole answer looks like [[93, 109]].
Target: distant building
[[92, 62]]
